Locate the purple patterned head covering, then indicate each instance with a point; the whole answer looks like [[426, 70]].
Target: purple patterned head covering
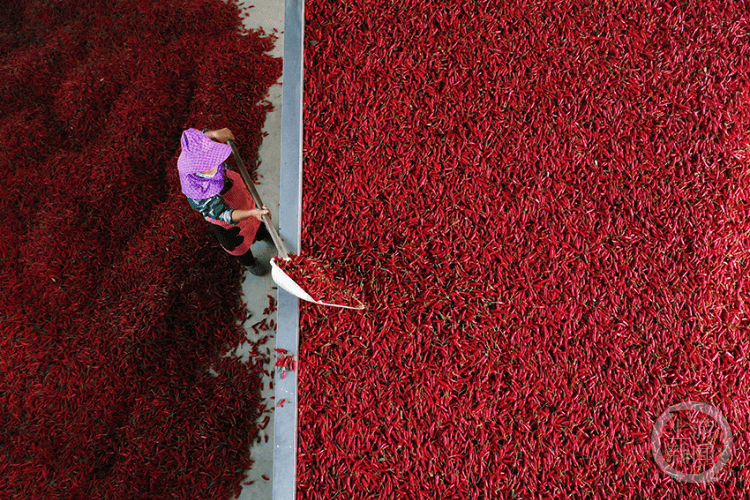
[[200, 153]]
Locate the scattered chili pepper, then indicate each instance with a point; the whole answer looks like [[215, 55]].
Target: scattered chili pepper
[[119, 317]]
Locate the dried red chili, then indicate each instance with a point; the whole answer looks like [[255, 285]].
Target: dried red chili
[[536, 201]]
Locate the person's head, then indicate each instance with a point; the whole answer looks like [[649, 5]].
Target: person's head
[[201, 155]]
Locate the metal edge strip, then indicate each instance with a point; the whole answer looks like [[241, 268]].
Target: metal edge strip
[[290, 216]]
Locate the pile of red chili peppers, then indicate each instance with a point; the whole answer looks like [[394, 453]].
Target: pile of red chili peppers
[[317, 280], [117, 302], [545, 205]]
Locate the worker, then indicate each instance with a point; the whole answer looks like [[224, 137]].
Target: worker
[[220, 195]]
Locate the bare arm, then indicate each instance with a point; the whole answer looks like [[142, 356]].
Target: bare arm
[[221, 135], [242, 214]]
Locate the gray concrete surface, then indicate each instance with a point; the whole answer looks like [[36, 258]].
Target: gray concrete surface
[[266, 15]]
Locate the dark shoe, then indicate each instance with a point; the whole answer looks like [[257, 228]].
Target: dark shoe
[[263, 235], [258, 268], [267, 238]]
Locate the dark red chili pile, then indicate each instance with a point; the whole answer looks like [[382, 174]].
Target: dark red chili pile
[[546, 207], [117, 303]]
